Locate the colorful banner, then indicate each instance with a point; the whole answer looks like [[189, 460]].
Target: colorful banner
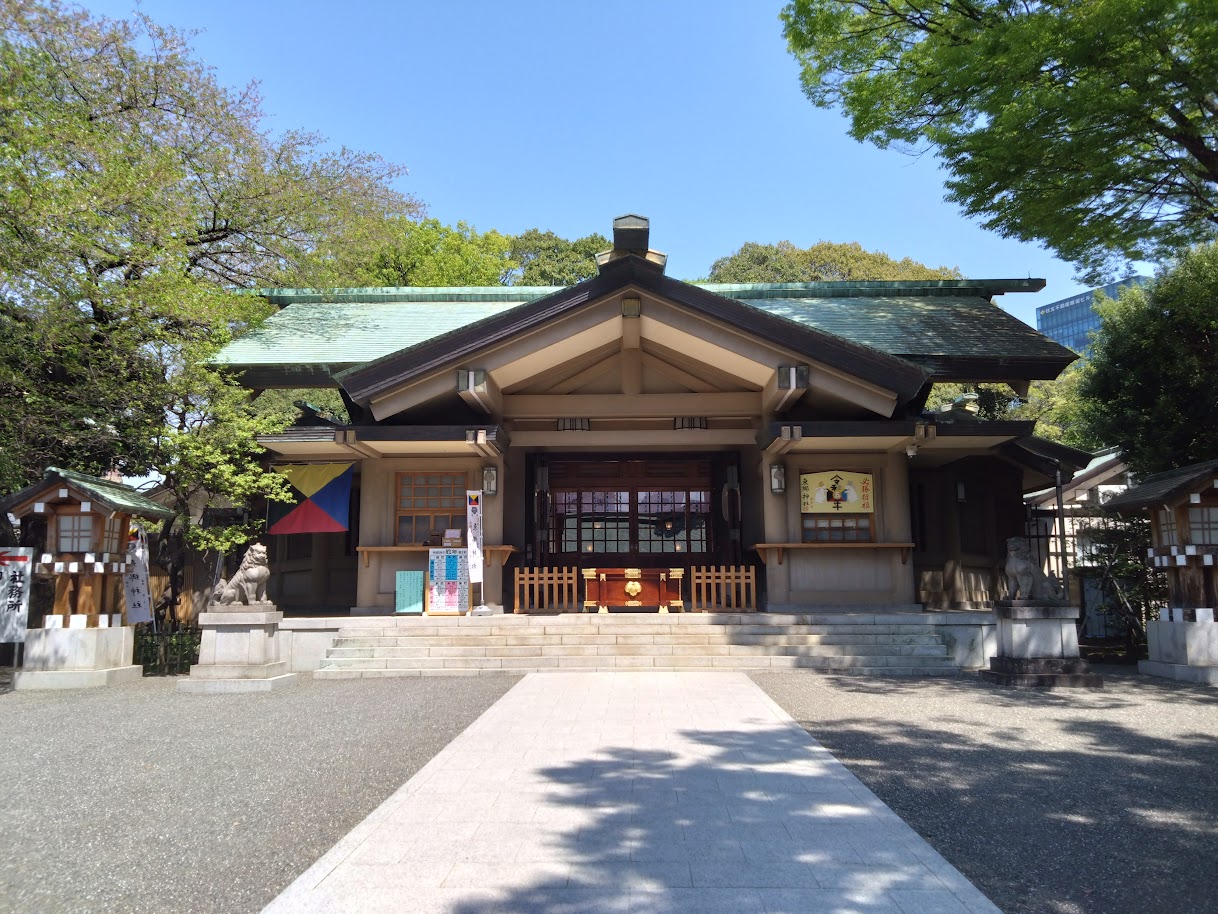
[[447, 582], [16, 572], [321, 499], [135, 580], [473, 538], [836, 492]]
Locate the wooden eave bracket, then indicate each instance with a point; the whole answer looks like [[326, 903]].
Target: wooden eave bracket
[[787, 438], [485, 446], [479, 390], [350, 439], [785, 387]]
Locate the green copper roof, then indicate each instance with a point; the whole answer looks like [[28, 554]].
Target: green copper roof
[[118, 496], [933, 319], [382, 294], [351, 333], [113, 496], [909, 326]]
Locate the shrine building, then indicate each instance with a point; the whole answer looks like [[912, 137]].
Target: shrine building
[[643, 442]]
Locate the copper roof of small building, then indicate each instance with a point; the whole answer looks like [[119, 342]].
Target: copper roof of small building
[[1164, 488], [114, 497]]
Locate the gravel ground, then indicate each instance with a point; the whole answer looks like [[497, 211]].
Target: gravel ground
[[1061, 802], [138, 799]]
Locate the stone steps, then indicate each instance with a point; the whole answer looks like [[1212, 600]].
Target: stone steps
[[865, 644], [704, 638], [621, 650]]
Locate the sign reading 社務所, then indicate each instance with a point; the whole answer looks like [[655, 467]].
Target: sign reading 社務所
[[16, 570]]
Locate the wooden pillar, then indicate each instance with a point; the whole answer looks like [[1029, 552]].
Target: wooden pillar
[[953, 577], [64, 588], [88, 597], [1189, 577]]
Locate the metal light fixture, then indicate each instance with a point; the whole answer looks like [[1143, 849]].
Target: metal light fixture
[[911, 451], [778, 478], [490, 480]]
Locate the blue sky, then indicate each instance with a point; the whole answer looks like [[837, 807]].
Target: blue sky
[[562, 114]]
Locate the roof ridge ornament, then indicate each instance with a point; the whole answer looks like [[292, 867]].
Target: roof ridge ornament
[[631, 236]]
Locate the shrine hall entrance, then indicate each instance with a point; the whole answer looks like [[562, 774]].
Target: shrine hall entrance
[[641, 511]]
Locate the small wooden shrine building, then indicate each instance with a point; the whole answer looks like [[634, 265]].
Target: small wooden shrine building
[[88, 520]]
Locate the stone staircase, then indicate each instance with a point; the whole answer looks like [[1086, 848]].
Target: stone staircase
[[864, 644]]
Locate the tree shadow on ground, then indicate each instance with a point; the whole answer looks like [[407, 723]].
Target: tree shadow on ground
[[1126, 689], [736, 822], [1121, 822]]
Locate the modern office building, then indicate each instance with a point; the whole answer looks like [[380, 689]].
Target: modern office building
[[1070, 321]]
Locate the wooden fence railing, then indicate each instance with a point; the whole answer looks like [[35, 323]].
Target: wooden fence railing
[[723, 587], [547, 590]]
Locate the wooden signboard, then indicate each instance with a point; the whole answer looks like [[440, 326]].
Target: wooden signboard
[[836, 492], [448, 591], [16, 571]]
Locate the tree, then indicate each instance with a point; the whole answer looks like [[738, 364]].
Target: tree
[[1090, 127], [425, 252], [991, 401], [133, 191], [1148, 386], [1056, 408], [545, 259], [823, 261]]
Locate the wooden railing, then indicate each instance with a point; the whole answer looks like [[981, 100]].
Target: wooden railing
[[723, 587], [547, 590]]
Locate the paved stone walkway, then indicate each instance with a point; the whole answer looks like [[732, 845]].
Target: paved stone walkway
[[624, 792]]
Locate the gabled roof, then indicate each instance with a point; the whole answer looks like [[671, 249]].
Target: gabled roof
[[319, 334], [379, 376], [951, 335], [949, 327], [1164, 488], [112, 497], [1105, 466]]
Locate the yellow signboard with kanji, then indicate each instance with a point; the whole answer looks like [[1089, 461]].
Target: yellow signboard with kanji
[[836, 492]]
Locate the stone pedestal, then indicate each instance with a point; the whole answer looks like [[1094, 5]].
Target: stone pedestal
[[239, 651], [1187, 651], [1038, 647], [77, 658]]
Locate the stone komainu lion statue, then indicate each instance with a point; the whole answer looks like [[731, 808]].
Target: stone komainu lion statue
[[248, 585], [1025, 580]]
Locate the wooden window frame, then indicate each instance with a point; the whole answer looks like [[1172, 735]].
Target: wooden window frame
[[93, 535], [432, 512], [114, 535]]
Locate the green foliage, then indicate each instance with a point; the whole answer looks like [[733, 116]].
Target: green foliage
[[545, 259], [1148, 387], [280, 405], [425, 252], [992, 401], [1056, 408], [1089, 126], [134, 190], [428, 253], [823, 261]]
